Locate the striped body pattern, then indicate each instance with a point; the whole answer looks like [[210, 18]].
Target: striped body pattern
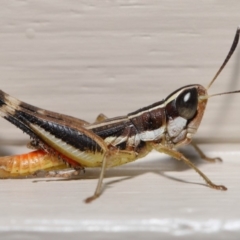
[[159, 122], [77, 143], [62, 141]]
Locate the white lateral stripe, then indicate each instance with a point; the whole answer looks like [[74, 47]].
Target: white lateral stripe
[[134, 140], [102, 124], [115, 140], [152, 135], [163, 105], [175, 126]]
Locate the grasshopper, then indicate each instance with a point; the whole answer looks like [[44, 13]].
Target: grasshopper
[[62, 141]]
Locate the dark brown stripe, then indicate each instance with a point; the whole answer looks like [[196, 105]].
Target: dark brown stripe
[[128, 132], [111, 129], [171, 110], [67, 134], [148, 121], [22, 126], [2, 98]]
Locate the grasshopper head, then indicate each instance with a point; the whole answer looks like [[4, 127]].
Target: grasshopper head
[[184, 111], [185, 107]]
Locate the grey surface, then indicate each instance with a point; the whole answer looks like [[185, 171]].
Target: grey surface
[[86, 57], [157, 196], [118, 56]]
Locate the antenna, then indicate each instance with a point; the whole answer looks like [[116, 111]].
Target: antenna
[[231, 51]]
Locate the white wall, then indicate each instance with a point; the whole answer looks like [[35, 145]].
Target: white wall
[[115, 56], [86, 57]]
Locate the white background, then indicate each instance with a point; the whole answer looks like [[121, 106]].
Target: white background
[[115, 56]]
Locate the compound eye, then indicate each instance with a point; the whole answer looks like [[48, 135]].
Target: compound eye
[[187, 102]]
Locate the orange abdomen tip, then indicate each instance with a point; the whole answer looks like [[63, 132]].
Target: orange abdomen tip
[[28, 164]]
